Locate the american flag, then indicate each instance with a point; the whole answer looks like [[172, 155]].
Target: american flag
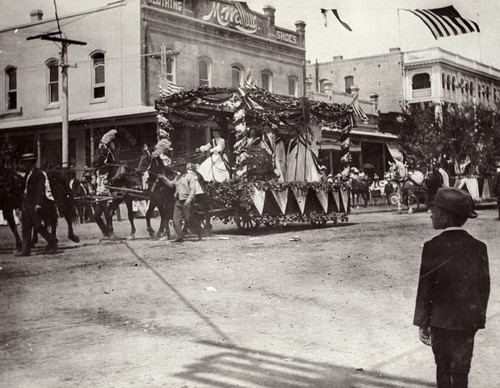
[[445, 21], [167, 87], [250, 82], [358, 110]]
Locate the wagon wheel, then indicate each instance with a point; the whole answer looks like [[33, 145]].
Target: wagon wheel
[[244, 221], [393, 199]]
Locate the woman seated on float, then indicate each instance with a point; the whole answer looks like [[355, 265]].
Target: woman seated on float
[[214, 167]]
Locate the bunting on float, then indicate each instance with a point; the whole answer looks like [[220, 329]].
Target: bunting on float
[[258, 198], [323, 199], [345, 198], [281, 198], [336, 198], [345, 155], [300, 196]]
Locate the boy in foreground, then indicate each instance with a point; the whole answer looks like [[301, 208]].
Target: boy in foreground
[[453, 288]]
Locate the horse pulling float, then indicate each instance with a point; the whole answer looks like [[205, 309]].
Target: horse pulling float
[[273, 178]]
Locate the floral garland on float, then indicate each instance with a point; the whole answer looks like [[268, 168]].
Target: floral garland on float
[[271, 201]]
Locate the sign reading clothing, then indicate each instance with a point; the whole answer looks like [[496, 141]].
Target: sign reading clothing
[[171, 5], [235, 15]]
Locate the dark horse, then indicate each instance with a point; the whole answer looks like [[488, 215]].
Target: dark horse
[[11, 196], [161, 196], [360, 187], [120, 175]]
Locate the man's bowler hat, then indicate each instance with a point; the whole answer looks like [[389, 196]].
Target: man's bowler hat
[[454, 201], [28, 156]]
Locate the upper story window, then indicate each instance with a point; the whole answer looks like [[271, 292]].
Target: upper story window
[[11, 81], [453, 83], [293, 84], [236, 76], [349, 83], [168, 62], [204, 72], [322, 85], [98, 76], [267, 80], [443, 80], [471, 88], [53, 81], [421, 81]]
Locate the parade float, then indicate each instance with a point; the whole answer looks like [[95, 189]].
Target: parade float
[[274, 186]]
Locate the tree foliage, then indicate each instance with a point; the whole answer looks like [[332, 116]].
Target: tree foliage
[[466, 136]]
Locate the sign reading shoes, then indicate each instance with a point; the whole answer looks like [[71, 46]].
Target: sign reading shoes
[[235, 15]]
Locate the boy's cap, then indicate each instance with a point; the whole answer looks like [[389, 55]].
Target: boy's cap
[[454, 201]]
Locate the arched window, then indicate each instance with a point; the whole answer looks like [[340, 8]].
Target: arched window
[[11, 81], [421, 81], [52, 81], [236, 75], [293, 84], [453, 83], [98, 76], [267, 80], [487, 93], [462, 85], [349, 83], [443, 80], [471, 88], [203, 72], [448, 83]]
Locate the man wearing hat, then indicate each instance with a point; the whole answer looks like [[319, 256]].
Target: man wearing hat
[[453, 288], [34, 200], [185, 190]]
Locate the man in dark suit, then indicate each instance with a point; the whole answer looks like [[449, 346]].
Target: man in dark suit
[[453, 288], [34, 202], [496, 188]]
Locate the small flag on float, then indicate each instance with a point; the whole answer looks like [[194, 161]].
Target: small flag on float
[[167, 87]]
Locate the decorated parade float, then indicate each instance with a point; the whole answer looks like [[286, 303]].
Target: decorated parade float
[[265, 169]]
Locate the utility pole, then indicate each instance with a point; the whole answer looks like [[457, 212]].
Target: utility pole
[[64, 82]]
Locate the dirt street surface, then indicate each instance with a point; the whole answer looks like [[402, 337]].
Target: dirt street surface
[[292, 306]]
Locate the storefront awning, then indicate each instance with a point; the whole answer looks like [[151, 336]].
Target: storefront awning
[[394, 150], [77, 117]]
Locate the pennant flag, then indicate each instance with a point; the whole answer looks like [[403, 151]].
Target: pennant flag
[[345, 198], [259, 197], [167, 87], [445, 21], [281, 198], [358, 110], [336, 13], [336, 198], [300, 196], [323, 199]]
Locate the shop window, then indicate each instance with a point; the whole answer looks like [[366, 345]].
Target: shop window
[[421, 81], [98, 76], [267, 80], [11, 80], [53, 82], [349, 83], [236, 76], [293, 85], [203, 72]]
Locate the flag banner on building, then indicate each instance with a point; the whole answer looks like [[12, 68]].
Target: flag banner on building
[[336, 13], [358, 111], [167, 87], [249, 82], [345, 155], [445, 21]]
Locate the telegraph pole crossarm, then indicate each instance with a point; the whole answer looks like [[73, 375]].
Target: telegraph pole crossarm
[[64, 81]]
